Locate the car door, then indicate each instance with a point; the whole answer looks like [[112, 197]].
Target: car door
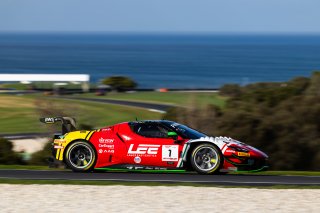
[[152, 146]]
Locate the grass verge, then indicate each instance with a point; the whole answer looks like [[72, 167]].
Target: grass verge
[[20, 114], [27, 167], [291, 173]]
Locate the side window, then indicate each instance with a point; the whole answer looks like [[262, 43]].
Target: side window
[[150, 130]]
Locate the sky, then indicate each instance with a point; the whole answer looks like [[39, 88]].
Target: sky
[[177, 16]]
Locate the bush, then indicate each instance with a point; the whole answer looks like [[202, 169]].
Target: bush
[[120, 83], [42, 157], [282, 119], [7, 155]]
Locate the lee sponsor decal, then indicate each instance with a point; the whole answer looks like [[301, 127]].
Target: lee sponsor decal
[[170, 152], [243, 154], [106, 140], [147, 150]]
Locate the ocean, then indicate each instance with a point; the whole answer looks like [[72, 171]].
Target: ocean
[[164, 61]]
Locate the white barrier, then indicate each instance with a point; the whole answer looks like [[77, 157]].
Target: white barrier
[[44, 77]]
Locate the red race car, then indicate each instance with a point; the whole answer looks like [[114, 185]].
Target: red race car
[[151, 145]]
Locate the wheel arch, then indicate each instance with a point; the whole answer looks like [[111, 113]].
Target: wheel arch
[[191, 147], [77, 140]]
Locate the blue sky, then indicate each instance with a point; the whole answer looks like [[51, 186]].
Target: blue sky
[[195, 16]]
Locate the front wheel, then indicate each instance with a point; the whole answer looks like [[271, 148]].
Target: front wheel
[[80, 156], [206, 159]]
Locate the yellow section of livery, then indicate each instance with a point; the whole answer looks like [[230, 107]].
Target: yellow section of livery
[[243, 154], [69, 137]]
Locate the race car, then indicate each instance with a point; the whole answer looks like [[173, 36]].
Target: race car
[[151, 145]]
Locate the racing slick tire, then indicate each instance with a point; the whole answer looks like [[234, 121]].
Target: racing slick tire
[[206, 159], [80, 156]]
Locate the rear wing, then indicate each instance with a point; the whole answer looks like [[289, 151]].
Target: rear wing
[[68, 123]]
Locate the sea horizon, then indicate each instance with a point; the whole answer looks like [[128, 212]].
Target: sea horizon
[[165, 60]]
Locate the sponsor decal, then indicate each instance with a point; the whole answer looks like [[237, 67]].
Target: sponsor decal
[[106, 146], [174, 125], [170, 152], [137, 159], [49, 120], [233, 169], [243, 154], [107, 129], [106, 140], [127, 138], [145, 168], [59, 141], [110, 151], [145, 150], [135, 167], [170, 163], [58, 147], [230, 151]]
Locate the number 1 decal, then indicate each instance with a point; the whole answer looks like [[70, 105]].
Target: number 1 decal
[[170, 152]]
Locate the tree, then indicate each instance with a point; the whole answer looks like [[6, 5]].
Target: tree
[[120, 83], [281, 119]]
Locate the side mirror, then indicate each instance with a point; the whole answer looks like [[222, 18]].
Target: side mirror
[[173, 135]]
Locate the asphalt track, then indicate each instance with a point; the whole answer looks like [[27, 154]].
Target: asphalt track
[[151, 106], [226, 180]]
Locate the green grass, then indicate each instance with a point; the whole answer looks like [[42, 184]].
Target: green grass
[[176, 98], [39, 85], [27, 167], [20, 114], [293, 173]]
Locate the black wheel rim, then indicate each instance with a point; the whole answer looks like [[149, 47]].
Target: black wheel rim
[[80, 156]]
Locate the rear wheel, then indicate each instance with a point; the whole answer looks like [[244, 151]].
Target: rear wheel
[[206, 159], [80, 156]]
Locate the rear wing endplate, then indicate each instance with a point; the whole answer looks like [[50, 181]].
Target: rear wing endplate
[[68, 123]]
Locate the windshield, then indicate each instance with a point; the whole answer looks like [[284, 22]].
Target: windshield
[[184, 131]]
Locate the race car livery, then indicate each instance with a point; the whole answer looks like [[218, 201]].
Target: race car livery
[[151, 145]]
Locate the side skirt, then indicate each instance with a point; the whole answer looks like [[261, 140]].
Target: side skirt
[[140, 168]]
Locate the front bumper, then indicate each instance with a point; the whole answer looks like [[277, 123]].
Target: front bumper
[[248, 164]]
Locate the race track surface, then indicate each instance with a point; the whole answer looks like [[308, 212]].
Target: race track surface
[[150, 106], [245, 180]]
